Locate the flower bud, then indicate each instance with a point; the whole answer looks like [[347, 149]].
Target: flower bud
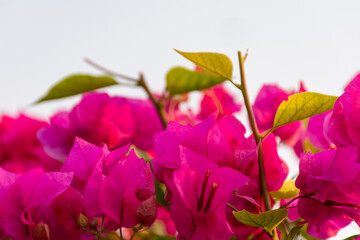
[[83, 221], [41, 232], [93, 225]]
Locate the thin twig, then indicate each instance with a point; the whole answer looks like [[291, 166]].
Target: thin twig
[[232, 207], [156, 104], [109, 72], [254, 128]]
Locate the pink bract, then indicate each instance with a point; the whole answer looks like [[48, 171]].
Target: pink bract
[[19, 148], [217, 99], [266, 104], [328, 183], [101, 119]]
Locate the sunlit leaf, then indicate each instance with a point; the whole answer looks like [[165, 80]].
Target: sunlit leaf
[[308, 147], [302, 105], [288, 190], [77, 84], [268, 220], [293, 232], [215, 63], [354, 237], [181, 80]]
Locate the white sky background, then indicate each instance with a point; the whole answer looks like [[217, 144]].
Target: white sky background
[[42, 41]]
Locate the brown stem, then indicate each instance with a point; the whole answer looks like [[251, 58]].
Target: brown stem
[[109, 72], [232, 207], [156, 104], [257, 137]]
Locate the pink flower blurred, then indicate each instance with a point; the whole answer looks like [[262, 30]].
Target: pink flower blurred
[[100, 119], [20, 150]]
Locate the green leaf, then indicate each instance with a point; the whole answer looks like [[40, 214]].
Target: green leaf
[[293, 232], [302, 105], [354, 237], [215, 63], [267, 220], [181, 80], [288, 190], [76, 84]]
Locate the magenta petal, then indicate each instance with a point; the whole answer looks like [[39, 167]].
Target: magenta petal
[[142, 111], [20, 149], [129, 184], [217, 99], [31, 190], [57, 138], [82, 159], [91, 193], [267, 101], [67, 207], [146, 212], [6, 180], [316, 131], [276, 169]]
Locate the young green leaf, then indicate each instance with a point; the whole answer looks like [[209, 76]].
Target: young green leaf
[[215, 63], [181, 80], [76, 84], [302, 105], [288, 190], [267, 220], [293, 232]]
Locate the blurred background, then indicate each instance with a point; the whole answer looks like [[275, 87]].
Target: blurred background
[[43, 41]]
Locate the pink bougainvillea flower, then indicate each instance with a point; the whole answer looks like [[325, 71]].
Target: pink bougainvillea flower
[[19, 148], [217, 99], [82, 160], [127, 194], [344, 126], [24, 198], [329, 186], [276, 169], [163, 216], [317, 131], [58, 137], [101, 119], [67, 207], [200, 192], [142, 111], [266, 104], [111, 184], [206, 138]]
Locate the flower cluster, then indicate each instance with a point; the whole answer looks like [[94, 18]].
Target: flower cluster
[[154, 169]]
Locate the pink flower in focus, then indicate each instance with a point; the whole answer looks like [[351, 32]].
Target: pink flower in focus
[[127, 194], [20, 150], [329, 184], [344, 126], [200, 193], [23, 201], [113, 184]]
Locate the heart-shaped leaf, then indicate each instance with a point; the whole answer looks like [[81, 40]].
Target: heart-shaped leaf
[[181, 80], [302, 105], [268, 220], [215, 63], [77, 84], [288, 190]]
